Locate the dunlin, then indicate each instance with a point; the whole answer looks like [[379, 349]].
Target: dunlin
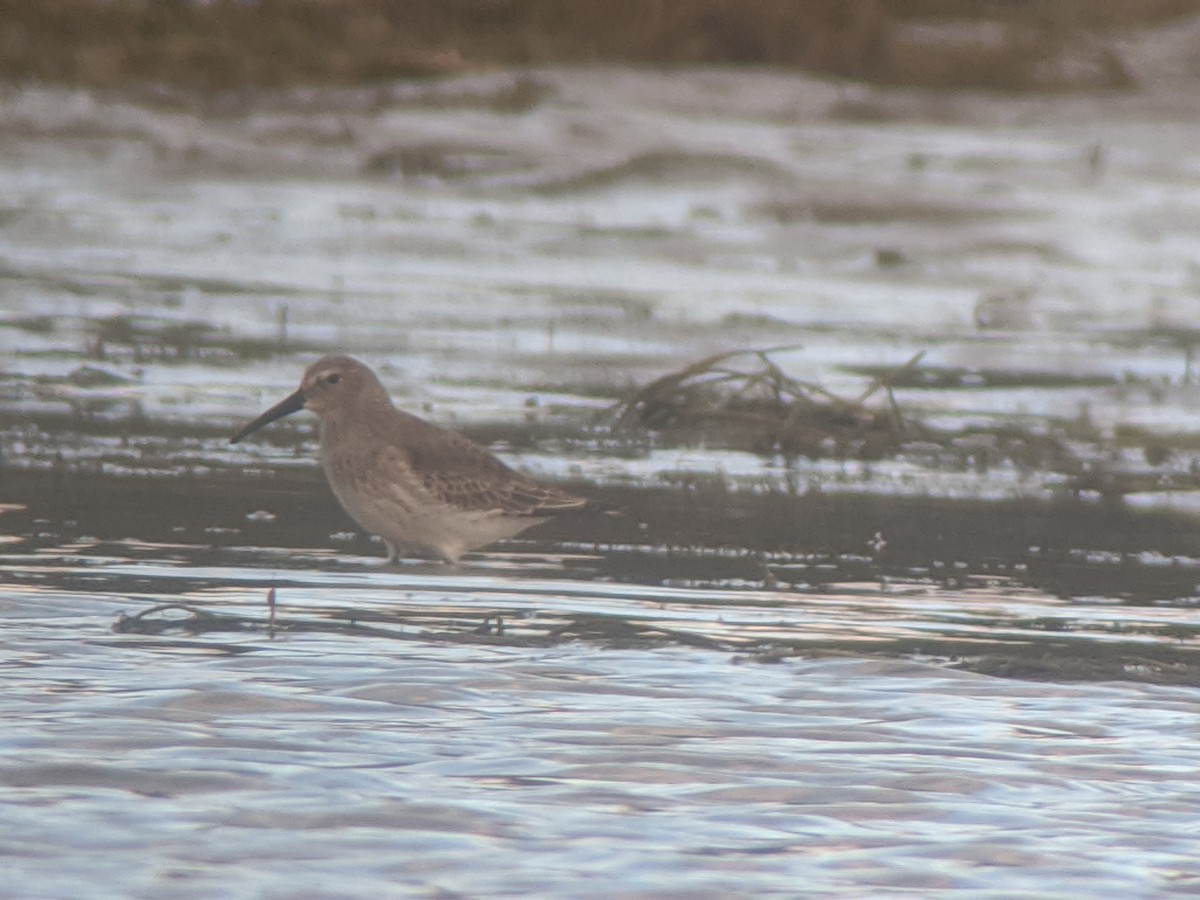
[[414, 484]]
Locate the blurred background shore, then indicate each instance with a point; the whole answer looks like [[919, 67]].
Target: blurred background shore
[[232, 44]]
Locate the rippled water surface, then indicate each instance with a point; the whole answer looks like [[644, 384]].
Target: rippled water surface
[[972, 671]]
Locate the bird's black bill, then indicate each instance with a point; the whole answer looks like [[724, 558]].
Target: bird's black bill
[[284, 407]]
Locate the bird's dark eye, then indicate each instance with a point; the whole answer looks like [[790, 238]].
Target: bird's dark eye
[[333, 379]]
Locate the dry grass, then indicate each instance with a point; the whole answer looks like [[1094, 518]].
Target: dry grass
[[742, 399]]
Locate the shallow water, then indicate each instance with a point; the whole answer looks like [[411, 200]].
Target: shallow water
[[769, 675]]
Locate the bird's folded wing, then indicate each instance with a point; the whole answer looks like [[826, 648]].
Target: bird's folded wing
[[514, 496], [465, 475]]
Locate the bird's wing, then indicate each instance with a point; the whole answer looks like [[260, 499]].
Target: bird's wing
[[515, 497], [465, 475]]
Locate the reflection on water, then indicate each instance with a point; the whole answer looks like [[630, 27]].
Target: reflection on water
[[321, 762], [768, 672]]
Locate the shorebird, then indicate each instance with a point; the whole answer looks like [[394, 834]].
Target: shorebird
[[409, 481]]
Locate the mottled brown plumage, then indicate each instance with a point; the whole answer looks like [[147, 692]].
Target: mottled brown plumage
[[407, 480]]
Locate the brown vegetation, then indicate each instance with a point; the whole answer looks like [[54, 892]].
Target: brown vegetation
[[742, 399]]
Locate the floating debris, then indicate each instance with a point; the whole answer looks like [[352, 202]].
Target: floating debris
[[169, 617]]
